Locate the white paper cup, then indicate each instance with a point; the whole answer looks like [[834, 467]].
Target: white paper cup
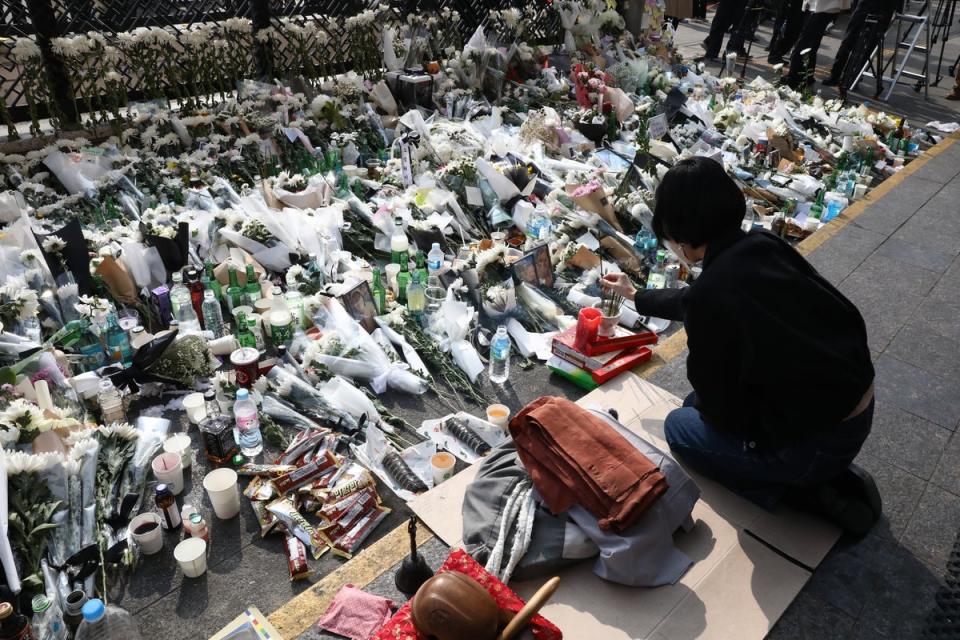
[[180, 444], [168, 467], [247, 310], [151, 541], [263, 305], [221, 486], [195, 406], [442, 465], [498, 414], [392, 270], [191, 555]]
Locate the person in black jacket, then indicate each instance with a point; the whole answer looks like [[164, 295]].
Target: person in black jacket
[[782, 377]]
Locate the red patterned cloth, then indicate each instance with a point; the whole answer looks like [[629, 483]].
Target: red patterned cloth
[[400, 627]]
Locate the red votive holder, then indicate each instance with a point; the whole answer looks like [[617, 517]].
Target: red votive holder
[[588, 323]]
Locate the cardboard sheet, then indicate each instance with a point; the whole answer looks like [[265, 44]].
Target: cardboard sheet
[[740, 582]]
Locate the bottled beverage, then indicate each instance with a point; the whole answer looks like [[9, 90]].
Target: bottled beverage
[[379, 292], [178, 292], [186, 317], [248, 424], [196, 291], [245, 337], [90, 347], [421, 266], [399, 245], [252, 291], [111, 404], [198, 527], [280, 319], [212, 315], [167, 506], [254, 328], [210, 280], [118, 342], [816, 209], [403, 279], [74, 613], [434, 259], [234, 290], [216, 430], [500, 356], [106, 622], [14, 626], [415, 296], [185, 513], [657, 279], [48, 621], [294, 301]]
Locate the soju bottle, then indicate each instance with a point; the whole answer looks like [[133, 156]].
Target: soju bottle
[[244, 336], [118, 343], [234, 290], [421, 269], [252, 290], [179, 293], [657, 279], [816, 209], [211, 281], [867, 165], [379, 292], [403, 279]]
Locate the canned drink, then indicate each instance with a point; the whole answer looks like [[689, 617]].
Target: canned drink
[[246, 364], [672, 276]]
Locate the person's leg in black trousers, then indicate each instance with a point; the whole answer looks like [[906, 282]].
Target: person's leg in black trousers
[[814, 26], [729, 12], [853, 33], [699, 9], [786, 29]]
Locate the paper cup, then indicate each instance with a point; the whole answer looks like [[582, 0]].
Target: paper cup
[[221, 487], [263, 305], [168, 467], [150, 542], [442, 465], [245, 308], [191, 555], [180, 444], [195, 406], [392, 270], [498, 414], [608, 326]]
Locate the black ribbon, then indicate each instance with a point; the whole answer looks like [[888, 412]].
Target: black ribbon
[[136, 374], [173, 251], [76, 255]]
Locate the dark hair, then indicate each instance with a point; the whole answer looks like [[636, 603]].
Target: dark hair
[[696, 202]]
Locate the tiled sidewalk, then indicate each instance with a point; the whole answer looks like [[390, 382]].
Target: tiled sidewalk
[[898, 261]]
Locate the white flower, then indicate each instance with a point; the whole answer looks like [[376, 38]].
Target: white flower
[[19, 462], [25, 50], [54, 244], [22, 414]]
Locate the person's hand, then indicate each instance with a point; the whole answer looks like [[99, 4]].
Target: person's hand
[[620, 283]]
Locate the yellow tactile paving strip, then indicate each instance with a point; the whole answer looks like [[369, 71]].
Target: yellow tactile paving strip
[[299, 613]]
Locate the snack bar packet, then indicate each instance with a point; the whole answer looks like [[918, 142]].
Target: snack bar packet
[[269, 470], [304, 475], [296, 524], [297, 558]]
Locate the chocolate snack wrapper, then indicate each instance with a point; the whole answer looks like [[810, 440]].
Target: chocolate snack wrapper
[[297, 558], [260, 489], [347, 509], [365, 479], [267, 521], [296, 524], [348, 542], [269, 470], [306, 474]]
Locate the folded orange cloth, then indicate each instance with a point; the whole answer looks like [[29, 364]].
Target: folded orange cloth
[[574, 457]]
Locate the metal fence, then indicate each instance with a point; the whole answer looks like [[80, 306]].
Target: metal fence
[[59, 84]]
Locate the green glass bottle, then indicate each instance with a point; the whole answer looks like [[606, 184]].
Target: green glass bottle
[[234, 290], [244, 336], [212, 283], [252, 290], [816, 209], [421, 270], [379, 292], [403, 279]]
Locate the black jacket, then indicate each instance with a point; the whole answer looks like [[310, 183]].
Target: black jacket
[[776, 352]]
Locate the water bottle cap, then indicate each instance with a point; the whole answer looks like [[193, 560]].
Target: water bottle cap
[[436, 245], [40, 603], [93, 610], [242, 394]]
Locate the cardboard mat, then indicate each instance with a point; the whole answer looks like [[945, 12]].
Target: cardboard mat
[[749, 563]]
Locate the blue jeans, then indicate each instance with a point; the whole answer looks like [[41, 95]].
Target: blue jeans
[[763, 475]]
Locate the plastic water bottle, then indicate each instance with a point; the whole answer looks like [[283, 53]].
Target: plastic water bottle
[[500, 356], [106, 622], [212, 315], [248, 424], [48, 622], [435, 259]]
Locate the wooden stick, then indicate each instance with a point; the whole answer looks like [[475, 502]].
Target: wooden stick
[[530, 609]]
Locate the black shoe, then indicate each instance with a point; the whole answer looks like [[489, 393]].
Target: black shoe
[[851, 501], [775, 59], [740, 51], [708, 55], [831, 81]]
